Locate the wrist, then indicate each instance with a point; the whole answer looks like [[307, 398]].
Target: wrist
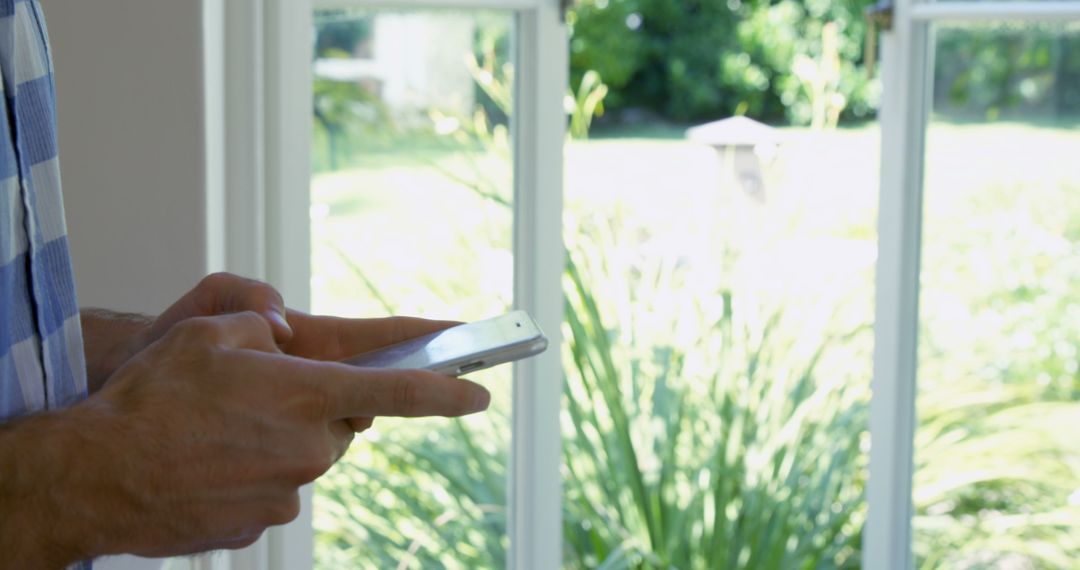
[[45, 523], [110, 339]]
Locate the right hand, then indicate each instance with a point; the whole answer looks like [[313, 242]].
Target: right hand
[[202, 440]]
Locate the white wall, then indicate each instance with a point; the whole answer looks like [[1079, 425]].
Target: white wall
[[130, 84]]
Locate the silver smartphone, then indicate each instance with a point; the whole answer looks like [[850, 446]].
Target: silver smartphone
[[462, 349]]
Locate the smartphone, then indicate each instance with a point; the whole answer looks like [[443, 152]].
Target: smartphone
[[462, 349]]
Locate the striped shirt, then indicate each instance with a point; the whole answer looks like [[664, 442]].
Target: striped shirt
[[41, 354]]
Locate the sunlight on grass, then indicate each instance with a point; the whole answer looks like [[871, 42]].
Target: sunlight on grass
[[998, 380], [407, 221]]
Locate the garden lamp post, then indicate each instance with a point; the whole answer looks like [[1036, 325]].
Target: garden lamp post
[[748, 140]]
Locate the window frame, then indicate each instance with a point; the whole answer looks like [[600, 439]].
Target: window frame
[[907, 80], [265, 96]]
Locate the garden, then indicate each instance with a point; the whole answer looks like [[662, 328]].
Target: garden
[[719, 342]]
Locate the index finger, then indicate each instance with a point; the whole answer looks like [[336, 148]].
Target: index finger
[[352, 392], [333, 338]]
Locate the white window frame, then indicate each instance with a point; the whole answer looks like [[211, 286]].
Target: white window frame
[[263, 50], [907, 67]]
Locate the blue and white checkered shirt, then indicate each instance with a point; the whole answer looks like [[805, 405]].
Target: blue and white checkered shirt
[[41, 353], [41, 356]]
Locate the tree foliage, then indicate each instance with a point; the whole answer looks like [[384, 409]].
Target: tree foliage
[[701, 59], [684, 60], [984, 72]]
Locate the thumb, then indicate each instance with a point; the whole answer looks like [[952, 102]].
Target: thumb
[[247, 330]]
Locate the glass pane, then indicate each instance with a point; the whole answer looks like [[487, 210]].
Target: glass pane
[[411, 215], [720, 297], [997, 475]]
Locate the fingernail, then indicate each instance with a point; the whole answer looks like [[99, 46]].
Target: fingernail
[[481, 401], [278, 318]]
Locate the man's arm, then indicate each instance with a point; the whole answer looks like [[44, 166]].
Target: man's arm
[[110, 339], [27, 477]]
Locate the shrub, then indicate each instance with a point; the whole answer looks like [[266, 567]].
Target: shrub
[[698, 59], [985, 71]]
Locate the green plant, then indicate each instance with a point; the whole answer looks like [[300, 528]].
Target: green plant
[[993, 71], [451, 483], [698, 433], [587, 104], [719, 447], [344, 111], [995, 469], [821, 80]]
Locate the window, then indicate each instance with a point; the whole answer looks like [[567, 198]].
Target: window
[[416, 218], [976, 118], [467, 87], [991, 339], [271, 63]]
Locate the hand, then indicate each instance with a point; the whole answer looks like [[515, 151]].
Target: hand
[[334, 339], [220, 294], [113, 338], [201, 441]]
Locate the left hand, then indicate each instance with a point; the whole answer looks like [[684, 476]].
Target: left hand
[[220, 294], [111, 339]]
